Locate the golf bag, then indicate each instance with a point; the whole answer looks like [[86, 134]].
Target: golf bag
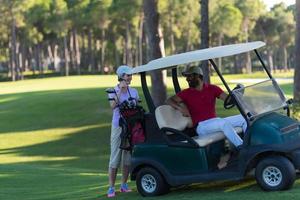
[[132, 124]]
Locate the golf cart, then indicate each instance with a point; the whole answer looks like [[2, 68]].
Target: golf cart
[[170, 157]]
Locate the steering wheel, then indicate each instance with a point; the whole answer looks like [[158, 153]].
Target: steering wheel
[[229, 102]]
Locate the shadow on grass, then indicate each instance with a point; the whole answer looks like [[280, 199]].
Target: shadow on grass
[[88, 149], [73, 166], [53, 109], [36, 182], [79, 173]]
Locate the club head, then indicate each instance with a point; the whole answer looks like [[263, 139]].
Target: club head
[[133, 99], [290, 101], [239, 85], [110, 91]]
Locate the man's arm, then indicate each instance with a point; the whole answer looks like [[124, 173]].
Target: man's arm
[[177, 103], [223, 96]]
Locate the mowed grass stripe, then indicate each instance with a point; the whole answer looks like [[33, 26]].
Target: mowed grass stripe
[[54, 143]]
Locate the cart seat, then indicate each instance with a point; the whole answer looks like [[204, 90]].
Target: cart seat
[[167, 116]]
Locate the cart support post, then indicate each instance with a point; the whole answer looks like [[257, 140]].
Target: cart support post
[[146, 92], [175, 80]]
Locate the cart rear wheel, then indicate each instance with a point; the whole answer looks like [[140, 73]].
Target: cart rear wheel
[[150, 182], [275, 173]]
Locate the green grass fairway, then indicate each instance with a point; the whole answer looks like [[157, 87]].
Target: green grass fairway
[[54, 144]]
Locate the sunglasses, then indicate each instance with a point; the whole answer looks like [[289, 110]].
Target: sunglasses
[[191, 75]]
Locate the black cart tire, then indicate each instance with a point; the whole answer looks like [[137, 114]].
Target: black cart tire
[[150, 182], [275, 173]]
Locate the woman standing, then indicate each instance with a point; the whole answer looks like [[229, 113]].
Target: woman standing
[[117, 156]]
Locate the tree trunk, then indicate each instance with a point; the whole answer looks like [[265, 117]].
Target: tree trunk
[[89, 51], [236, 65], [128, 53], [18, 62], [55, 57], [51, 56], [98, 55], [117, 56], [172, 40], [140, 39], [204, 29], [21, 61], [71, 52], [188, 40], [270, 60], [10, 64], [76, 52], [220, 39], [247, 56], [83, 62], [66, 56], [156, 48], [13, 49], [285, 62], [248, 63], [41, 56], [147, 46], [275, 62], [31, 59], [136, 52], [24, 61], [297, 66], [37, 57], [94, 62], [89, 54], [102, 49]]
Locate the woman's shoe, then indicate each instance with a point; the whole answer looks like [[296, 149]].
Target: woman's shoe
[[111, 192], [124, 188]]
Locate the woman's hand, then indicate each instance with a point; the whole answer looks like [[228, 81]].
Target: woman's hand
[[123, 86]]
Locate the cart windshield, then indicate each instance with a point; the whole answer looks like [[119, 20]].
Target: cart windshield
[[260, 98]]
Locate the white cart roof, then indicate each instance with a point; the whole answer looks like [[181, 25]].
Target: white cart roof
[[198, 55]]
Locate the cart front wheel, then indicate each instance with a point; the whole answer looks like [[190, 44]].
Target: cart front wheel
[[275, 173], [150, 182]]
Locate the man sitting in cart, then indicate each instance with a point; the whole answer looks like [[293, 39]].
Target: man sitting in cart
[[198, 102]]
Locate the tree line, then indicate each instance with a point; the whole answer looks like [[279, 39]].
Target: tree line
[[94, 36]]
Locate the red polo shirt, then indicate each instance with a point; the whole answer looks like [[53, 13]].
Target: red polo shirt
[[201, 104]]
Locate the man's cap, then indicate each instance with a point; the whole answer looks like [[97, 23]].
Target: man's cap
[[192, 70], [123, 69]]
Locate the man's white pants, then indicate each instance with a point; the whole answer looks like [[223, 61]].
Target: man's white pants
[[225, 125]]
